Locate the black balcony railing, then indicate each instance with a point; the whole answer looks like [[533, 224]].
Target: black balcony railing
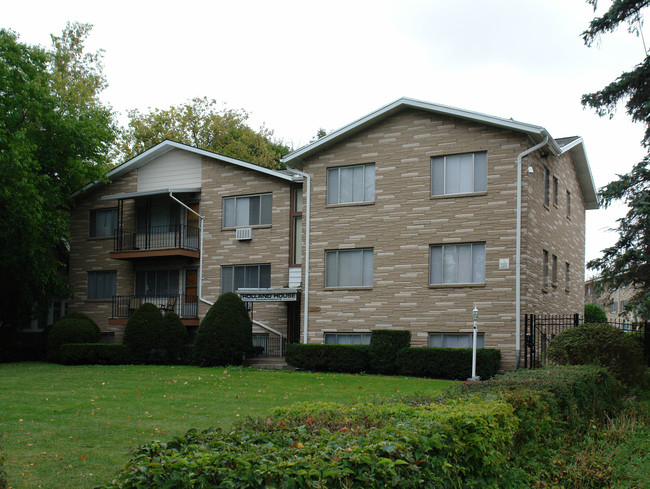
[[157, 237], [186, 306]]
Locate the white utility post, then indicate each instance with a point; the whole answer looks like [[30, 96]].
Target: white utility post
[[475, 317]]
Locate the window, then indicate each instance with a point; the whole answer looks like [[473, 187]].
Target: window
[[296, 227], [547, 177], [347, 338], [158, 218], [544, 268], [102, 223], [568, 203], [351, 184], [101, 285], [567, 269], [455, 340], [554, 271], [349, 268], [623, 304], [156, 282], [555, 191], [235, 277], [457, 264], [613, 307], [459, 174], [250, 210]]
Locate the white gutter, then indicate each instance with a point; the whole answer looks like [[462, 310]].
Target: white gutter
[[200, 285], [307, 177], [518, 252]]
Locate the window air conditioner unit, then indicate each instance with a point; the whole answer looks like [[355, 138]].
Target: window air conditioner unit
[[244, 234]]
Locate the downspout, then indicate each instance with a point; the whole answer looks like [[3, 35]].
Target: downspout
[[307, 177], [200, 285], [518, 253]]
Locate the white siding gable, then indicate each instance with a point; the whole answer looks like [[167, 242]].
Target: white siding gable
[[177, 168]]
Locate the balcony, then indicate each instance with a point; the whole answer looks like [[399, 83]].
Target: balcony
[[186, 306], [177, 240]]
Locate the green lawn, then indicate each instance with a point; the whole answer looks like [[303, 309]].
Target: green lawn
[[72, 427]]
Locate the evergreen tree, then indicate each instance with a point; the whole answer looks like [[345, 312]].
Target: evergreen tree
[[628, 261]]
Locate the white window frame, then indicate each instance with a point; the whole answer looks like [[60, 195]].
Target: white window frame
[[444, 271], [333, 271], [101, 275], [237, 211], [260, 281], [334, 194], [346, 338], [479, 169], [94, 216], [438, 340]]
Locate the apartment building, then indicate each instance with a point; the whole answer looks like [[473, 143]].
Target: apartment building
[[404, 219]]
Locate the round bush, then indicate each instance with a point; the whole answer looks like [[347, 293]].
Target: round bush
[[595, 314], [72, 328], [225, 334], [600, 344], [142, 334], [173, 335]]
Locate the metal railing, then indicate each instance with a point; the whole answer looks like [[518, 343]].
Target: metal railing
[[273, 346], [186, 306], [157, 237]]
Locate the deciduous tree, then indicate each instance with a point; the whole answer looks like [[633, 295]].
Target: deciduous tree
[[628, 261], [54, 137], [200, 123]]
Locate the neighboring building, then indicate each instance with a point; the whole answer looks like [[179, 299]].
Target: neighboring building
[[613, 301], [412, 219]]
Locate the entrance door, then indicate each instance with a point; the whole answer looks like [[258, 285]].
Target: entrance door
[[190, 298]]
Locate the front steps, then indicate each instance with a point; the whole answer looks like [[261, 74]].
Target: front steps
[[268, 363]]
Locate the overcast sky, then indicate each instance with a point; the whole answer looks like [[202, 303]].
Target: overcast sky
[[296, 66]]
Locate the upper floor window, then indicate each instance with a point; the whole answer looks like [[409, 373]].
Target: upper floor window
[[544, 268], [547, 185], [101, 285], [459, 174], [556, 185], [248, 210], [568, 203], [554, 271], [103, 222], [457, 264], [234, 277], [349, 268], [156, 282], [351, 184]]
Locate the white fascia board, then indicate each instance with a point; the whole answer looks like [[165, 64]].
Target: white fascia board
[[537, 133], [585, 177]]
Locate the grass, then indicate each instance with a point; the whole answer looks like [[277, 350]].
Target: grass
[[72, 427]]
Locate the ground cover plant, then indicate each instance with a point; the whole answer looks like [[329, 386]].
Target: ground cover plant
[[73, 426]]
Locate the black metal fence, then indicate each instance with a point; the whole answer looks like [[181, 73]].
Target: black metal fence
[[540, 329], [157, 237]]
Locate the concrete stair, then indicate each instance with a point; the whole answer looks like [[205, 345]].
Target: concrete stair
[[268, 363]]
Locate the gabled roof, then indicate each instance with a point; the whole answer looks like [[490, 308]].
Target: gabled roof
[[535, 133], [168, 145]]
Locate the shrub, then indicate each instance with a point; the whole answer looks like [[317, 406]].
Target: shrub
[[225, 335], [460, 444], [328, 358], [600, 344], [72, 328], [595, 314], [448, 363], [173, 335], [142, 334], [94, 354], [384, 345]]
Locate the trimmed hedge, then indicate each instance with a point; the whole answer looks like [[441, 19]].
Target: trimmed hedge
[[595, 314], [142, 334], [328, 358], [72, 328], [448, 363], [384, 345], [94, 354], [317, 445]]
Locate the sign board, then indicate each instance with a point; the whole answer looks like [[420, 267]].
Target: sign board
[[268, 295]]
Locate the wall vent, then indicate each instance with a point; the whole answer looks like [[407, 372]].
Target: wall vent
[[244, 234]]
